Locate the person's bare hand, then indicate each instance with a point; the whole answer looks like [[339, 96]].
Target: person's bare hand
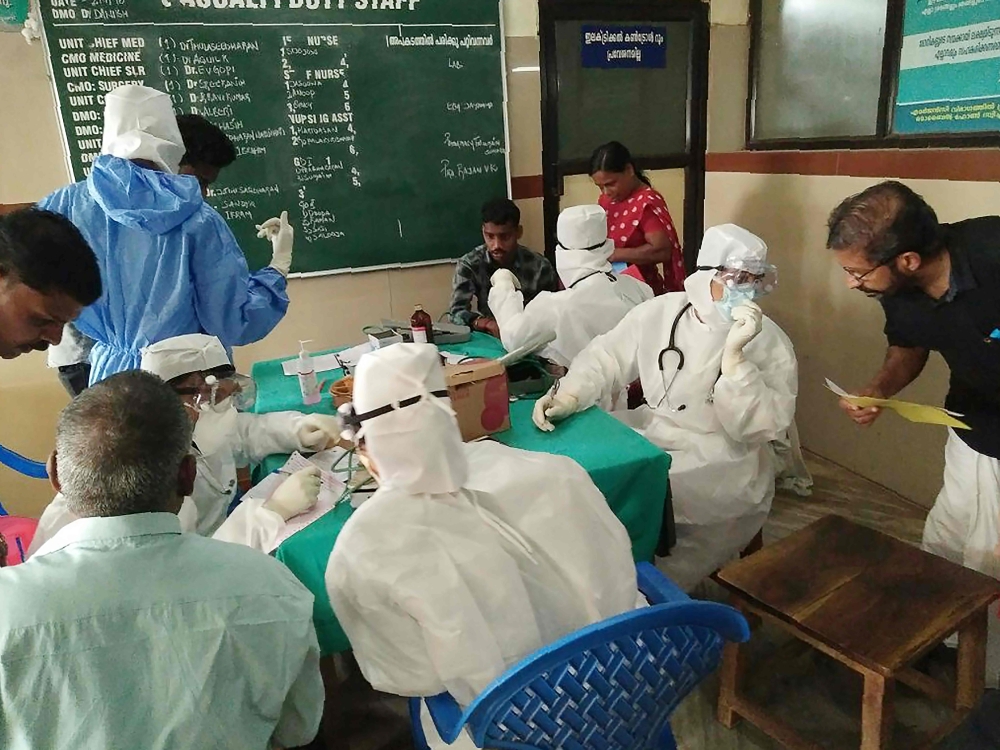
[[863, 416]]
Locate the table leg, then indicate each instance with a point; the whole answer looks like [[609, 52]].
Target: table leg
[[971, 678], [877, 713], [733, 663]]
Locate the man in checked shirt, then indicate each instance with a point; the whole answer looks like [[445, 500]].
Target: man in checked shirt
[[501, 249]]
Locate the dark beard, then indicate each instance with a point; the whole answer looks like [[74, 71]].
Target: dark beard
[[900, 283]]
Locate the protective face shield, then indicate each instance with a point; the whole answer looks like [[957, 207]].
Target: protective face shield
[[744, 280], [736, 259], [139, 123], [212, 377], [220, 392], [401, 409]]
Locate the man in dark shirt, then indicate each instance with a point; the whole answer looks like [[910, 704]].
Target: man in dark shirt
[[501, 249], [939, 285]]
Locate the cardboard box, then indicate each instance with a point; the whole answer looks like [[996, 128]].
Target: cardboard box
[[479, 396]]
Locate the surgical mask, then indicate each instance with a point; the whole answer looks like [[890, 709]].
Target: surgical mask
[[215, 427], [735, 296]]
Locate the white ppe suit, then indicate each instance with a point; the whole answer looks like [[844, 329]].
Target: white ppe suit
[[223, 442], [254, 438], [964, 526], [594, 299], [716, 427], [468, 557]]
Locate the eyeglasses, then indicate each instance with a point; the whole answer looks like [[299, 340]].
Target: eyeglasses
[[860, 277]]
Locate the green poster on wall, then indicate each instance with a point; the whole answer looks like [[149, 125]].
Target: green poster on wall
[[13, 12], [949, 72]]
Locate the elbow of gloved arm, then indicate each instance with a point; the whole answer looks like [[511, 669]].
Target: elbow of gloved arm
[[755, 407]]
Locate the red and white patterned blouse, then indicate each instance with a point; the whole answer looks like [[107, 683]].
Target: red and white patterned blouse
[[630, 220]]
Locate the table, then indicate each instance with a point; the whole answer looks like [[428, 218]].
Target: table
[[871, 602], [630, 472]]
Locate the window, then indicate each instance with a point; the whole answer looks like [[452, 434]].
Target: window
[[873, 73]]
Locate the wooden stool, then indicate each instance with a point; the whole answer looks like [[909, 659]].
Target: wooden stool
[[872, 603]]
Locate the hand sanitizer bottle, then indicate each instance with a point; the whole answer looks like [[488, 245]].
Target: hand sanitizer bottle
[[308, 384]]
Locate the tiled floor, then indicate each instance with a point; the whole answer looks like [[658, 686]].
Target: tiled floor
[[826, 705]]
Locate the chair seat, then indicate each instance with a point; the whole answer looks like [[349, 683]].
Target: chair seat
[[18, 532]]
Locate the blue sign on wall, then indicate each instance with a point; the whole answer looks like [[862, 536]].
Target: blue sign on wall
[[608, 46], [949, 72]]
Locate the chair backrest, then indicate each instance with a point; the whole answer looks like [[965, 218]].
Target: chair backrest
[[18, 532], [611, 686], [22, 465]]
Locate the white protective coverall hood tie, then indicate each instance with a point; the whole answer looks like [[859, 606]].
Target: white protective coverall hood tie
[[414, 448], [468, 557], [592, 303], [139, 123], [717, 427]]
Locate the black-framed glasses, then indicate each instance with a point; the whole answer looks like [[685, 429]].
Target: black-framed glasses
[[860, 278]]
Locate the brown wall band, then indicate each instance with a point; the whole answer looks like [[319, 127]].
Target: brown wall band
[[973, 165], [522, 188]]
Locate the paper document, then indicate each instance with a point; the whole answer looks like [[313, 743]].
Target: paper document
[[327, 362], [913, 412], [331, 492], [350, 358]]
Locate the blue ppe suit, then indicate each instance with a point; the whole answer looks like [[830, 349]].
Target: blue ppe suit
[[169, 265]]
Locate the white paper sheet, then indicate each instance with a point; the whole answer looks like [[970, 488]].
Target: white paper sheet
[[331, 491], [349, 357]]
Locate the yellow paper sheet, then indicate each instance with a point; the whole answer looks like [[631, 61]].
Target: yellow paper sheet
[[918, 413]]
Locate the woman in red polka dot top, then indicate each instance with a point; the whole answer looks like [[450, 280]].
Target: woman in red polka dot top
[[638, 219]]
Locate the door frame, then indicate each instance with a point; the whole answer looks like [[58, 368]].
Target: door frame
[[692, 160]]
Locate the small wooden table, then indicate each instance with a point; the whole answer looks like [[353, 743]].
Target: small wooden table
[[872, 603]]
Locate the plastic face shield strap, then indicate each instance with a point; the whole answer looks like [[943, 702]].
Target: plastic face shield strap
[[353, 421]]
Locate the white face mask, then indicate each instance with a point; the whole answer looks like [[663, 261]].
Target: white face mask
[[735, 296], [215, 427]]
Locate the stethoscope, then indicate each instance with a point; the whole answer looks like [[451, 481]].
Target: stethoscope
[[672, 349], [592, 273], [611, 276]]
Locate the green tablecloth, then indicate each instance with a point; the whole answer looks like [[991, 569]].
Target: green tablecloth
[[629, 470]]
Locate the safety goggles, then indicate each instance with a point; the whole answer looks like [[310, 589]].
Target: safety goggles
[[748, 272], [353, 420], [211, 391]]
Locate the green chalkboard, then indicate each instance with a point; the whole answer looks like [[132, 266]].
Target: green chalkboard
[[378, 124]]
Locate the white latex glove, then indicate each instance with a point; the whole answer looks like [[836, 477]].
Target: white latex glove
[[553, 406], [503, 278], [295, 495], [282, 235], [316, 431], [747, 322]]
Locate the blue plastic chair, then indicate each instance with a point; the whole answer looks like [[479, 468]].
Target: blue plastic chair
[[22, 465], [610, 686]]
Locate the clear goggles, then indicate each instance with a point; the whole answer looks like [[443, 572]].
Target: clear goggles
[[748, 272], [219, 391]]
